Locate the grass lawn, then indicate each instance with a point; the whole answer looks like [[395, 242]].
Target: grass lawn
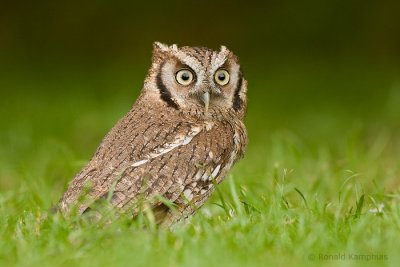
[[319, 183]]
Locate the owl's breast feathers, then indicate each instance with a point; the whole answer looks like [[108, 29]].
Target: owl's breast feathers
[[149, 154]]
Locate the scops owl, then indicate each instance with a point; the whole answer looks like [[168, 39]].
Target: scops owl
[[179, 140]]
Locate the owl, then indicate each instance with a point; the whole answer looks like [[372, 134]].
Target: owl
[[179, 140]]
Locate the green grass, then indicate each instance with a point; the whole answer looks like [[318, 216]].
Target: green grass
[[313, 183]]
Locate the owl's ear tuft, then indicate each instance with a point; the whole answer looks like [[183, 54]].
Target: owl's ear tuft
[[224, 50], [174, 48], [229, 54], [160, 50], [160, 47]]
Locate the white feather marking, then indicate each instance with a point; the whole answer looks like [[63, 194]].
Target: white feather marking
[[209, 177], [205, 176], [215, 171], [198, 174], [187, 140], [180, 140], [188, 194], [140, 162]]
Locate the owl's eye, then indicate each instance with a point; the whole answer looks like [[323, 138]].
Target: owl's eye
[[221, 77], [184, 77]]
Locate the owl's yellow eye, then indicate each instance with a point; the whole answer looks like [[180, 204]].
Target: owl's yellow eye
[[184, 77], [221, 77]]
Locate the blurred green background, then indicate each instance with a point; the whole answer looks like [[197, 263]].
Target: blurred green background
[[318, 71], [321, 174]]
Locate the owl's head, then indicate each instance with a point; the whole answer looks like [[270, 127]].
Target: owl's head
[[197, 81]]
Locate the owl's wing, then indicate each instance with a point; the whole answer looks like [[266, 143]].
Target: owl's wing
[[185, 173], [139, 136], [150, 154]]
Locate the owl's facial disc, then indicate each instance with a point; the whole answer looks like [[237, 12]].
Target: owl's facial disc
[[186, 77], [198, 81]]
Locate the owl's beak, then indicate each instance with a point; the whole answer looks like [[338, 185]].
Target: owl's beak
[[206, 100]]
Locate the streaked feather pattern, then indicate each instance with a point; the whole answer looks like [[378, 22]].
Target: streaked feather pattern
[[167, 145]]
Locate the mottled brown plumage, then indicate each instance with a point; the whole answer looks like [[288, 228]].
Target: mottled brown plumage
[[185, 130]]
